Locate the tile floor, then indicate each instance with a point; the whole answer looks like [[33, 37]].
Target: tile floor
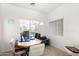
[[52, 51], [49, 51]]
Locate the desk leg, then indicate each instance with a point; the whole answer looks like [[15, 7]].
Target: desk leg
[[27, 51]]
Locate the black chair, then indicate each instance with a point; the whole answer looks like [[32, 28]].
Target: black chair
[[37, 35], [45, 40]]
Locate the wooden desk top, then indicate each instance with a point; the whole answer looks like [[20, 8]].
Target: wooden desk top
[[20, 48]]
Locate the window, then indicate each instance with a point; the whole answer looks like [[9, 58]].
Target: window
[[57, 27], [30, 25]]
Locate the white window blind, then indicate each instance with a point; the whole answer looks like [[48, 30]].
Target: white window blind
[[57, 27]]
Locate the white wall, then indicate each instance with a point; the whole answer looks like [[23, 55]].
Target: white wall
[[70, 14], [0, 25], [1, 29], [14, 12]]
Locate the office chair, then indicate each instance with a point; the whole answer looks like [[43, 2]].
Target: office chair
[[37, 50]]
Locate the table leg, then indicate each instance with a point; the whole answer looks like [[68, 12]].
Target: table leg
[[27, 51]]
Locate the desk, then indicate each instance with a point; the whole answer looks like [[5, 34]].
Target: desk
[[31, 42], [19, 48], [26, 45]]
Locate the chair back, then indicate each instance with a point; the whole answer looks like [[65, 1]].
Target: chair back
[[37, 50]]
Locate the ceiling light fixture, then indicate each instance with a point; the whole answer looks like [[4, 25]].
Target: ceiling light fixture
[[32, 4]]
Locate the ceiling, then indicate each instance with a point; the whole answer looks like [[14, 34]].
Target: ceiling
[[42, 7]]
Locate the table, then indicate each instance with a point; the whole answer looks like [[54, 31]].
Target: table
[[31, 42], [19, 48], [26, 45]]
